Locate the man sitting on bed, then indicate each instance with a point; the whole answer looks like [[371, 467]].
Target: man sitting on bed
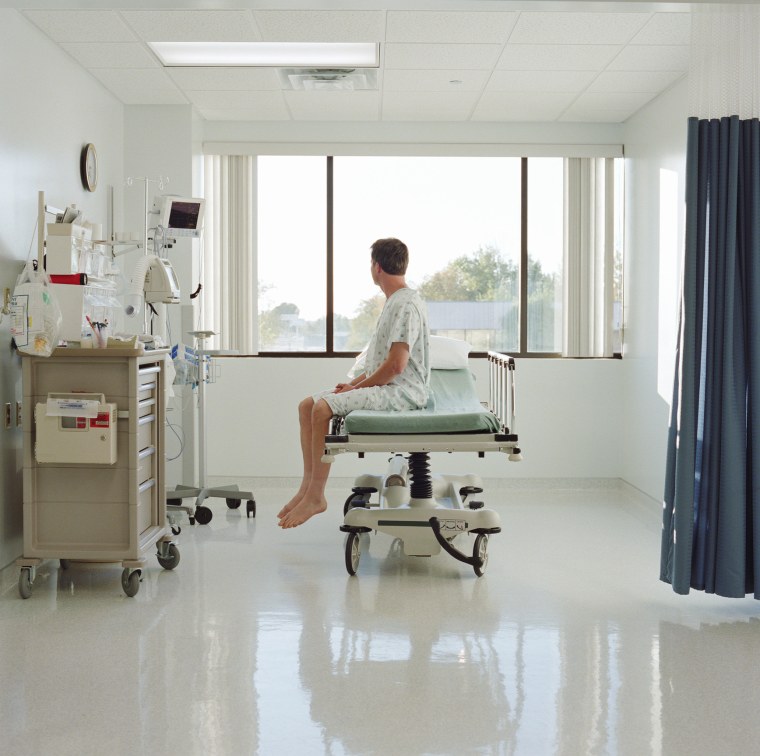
[[396, 377]]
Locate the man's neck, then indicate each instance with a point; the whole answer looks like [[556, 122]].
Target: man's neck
[[391, 284]]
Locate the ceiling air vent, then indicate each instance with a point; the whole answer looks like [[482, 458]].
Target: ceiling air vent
[[328, 79]]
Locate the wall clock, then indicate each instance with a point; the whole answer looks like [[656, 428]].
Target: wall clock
[[88, 167]]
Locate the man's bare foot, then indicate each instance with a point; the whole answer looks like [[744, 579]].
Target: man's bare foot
[[292, 504], [303, 511]]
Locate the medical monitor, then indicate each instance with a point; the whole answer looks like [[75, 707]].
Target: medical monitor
[[182, 216]]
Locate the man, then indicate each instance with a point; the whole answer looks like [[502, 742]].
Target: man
[[396, 377]]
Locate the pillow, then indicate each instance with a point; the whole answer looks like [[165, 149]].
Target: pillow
[[448, 354]]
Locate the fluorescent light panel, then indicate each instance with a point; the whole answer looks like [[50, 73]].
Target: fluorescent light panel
[[264, 54]]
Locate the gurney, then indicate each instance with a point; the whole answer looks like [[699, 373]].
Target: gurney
[[428, 512]]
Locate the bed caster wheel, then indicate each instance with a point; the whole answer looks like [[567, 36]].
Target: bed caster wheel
[[25, 581], [233, 503], [475, 505], [353, 552], [130, 581], [480, 553], [168, 556], [176, 529], [357, 499], [203, 515], [192, 519], [250, 508]]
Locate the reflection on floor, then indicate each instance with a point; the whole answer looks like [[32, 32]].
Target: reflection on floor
[[260, 643]]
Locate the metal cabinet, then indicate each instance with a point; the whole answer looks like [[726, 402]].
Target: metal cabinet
[[98, 512]]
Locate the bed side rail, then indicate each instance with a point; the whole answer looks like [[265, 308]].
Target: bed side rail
[[501, 383]]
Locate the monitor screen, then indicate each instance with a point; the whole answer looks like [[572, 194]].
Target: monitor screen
[[184, 214], [181, 214]]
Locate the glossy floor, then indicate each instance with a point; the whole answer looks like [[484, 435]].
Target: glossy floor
[[260, 643]]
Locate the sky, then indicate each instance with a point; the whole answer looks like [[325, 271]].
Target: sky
[[441, 208]]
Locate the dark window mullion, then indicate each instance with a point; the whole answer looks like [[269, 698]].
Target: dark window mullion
[[329, 331], [523, 349]]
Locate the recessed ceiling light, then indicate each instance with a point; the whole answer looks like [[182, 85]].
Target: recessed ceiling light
[[292, 54]]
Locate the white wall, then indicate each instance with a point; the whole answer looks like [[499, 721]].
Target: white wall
[[569, 416], [49, 108], [655, 148]]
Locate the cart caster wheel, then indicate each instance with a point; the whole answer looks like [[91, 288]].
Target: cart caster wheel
[[480, 552], [25, 583], [174, 502], [65, 564], [130, 581], [170, 558], [353, 553], [192, 519], [233, 503], [250, 508], [176, 529], [203, 515]]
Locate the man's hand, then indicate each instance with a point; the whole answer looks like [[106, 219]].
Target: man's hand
[[341, 388]]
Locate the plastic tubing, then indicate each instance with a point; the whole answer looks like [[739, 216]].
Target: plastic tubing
[[135, 294]]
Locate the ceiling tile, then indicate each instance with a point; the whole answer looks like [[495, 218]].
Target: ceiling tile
[[333, 106], [320, 26], [466, 57], [192, 25], [540, 81], [634, 81], [665, 29], [81, 25], [565, 27], [652, 58], [243, 114], [110, 54], [521, 106], [439, 80], [225, 79], [140, 86], [613, 100], [214, 100], [557, 57], [453, 26], [586, 115], [428, 106]]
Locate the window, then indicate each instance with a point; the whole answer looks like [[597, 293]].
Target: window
[[488, 241]]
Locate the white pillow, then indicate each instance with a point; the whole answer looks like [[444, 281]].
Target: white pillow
[[448, 354]]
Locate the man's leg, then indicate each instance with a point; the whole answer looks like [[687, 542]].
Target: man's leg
[[313, 499], [305, 409]]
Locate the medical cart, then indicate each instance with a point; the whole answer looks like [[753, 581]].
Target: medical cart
[[94, 482]]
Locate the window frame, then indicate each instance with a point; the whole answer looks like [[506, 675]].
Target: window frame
[[330, 352]]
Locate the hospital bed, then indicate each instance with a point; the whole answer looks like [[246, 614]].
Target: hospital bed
[[428, 512]]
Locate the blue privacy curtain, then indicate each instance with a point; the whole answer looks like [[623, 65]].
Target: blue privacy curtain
[[711, 512]]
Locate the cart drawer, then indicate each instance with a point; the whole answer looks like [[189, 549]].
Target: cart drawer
[[146, 506]]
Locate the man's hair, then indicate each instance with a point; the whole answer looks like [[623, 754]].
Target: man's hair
[[392, 255]]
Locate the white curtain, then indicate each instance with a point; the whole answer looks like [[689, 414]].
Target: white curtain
[[229, 266], [588, 257]]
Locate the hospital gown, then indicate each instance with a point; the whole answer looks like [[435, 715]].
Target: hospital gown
[[404, 320]]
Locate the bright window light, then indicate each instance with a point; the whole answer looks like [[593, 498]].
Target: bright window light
[[291, 54]]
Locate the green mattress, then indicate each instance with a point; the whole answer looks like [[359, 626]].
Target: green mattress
[[453, 407]]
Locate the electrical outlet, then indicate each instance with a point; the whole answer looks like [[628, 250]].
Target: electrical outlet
[[8, 415], [19, 416]]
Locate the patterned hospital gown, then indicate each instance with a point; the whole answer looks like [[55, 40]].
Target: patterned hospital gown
[[403, 319]]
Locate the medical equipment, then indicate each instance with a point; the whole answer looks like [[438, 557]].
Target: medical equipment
[[76, 505], [428, 512], [154, 280], [230, 492], [76, 428], [180, 216]]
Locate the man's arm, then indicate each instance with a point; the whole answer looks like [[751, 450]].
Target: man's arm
[[393, 365]]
